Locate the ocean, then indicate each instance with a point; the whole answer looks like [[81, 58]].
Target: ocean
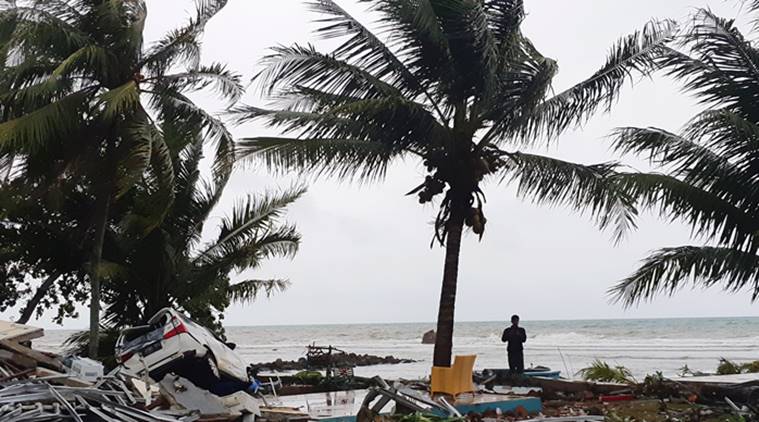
[[644, 345]]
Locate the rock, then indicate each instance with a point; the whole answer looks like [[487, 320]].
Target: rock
[[346, 359], [429, 337]]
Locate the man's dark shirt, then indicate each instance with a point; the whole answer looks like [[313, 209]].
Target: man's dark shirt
[[515, 337]]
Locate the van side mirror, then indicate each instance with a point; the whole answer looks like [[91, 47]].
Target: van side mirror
[[231, 345]]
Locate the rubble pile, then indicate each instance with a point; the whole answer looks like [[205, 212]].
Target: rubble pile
[[41, 386], [40, 400]]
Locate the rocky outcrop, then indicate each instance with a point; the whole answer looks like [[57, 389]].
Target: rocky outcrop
[[429, 337], [348, 359]]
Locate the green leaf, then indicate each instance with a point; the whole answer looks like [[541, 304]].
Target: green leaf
[[585, 188], [339, 158], [251, 233], [669, 269], [248, 290], [708, 214], [33, 130], [635, 53], [121, 101], [225, 82]]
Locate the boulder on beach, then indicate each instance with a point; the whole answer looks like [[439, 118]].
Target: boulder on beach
[[429, 337]]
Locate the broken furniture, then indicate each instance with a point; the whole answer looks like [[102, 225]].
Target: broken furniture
[[454, 380]]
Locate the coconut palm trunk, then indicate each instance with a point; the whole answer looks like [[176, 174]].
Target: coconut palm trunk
[[97, 255], [446, 309]]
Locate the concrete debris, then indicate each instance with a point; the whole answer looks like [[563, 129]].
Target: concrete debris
[[184, 394]]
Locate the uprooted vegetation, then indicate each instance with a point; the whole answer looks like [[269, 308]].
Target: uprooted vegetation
[[601, 371], [728, 367]]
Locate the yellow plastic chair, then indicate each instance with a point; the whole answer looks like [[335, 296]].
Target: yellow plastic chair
[[454, 380]]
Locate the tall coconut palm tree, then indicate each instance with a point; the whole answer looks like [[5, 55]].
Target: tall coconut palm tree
[[455, 84], [81, 94], [707, 173]]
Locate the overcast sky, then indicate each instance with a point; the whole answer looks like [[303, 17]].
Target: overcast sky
[[365, 255]]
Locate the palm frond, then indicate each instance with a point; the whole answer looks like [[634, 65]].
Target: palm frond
[[136, 161], [29, 132], [399, 124], [248, 290], [585, 188], [364, 49], [729, 134], [600, 371], [32, 96], [340, 158], [719, 43], [224, 81], [89, 59], [182, 45], [250, 221], [667, 270], [661, 147], [288, 67], [708, 214], [42, 27], [148, 161], [635, 53], [279, 242], [176, 107], [690, 161], [248, 253], [414, 27], [119, 101], [504, 17]]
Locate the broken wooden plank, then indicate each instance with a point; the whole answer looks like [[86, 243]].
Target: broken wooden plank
[[17, 359], [17, 375], [40, 357], [62, 378], [19, 332]]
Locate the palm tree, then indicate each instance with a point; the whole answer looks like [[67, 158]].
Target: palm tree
[[81, 96], [706, 174], [455, 84], [170, 266]]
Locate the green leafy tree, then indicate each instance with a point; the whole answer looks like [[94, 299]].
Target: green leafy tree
[[80, 97], [704, 175], [454, 84], [41, 241]]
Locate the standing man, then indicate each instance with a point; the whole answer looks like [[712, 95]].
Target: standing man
[[515, 336]]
